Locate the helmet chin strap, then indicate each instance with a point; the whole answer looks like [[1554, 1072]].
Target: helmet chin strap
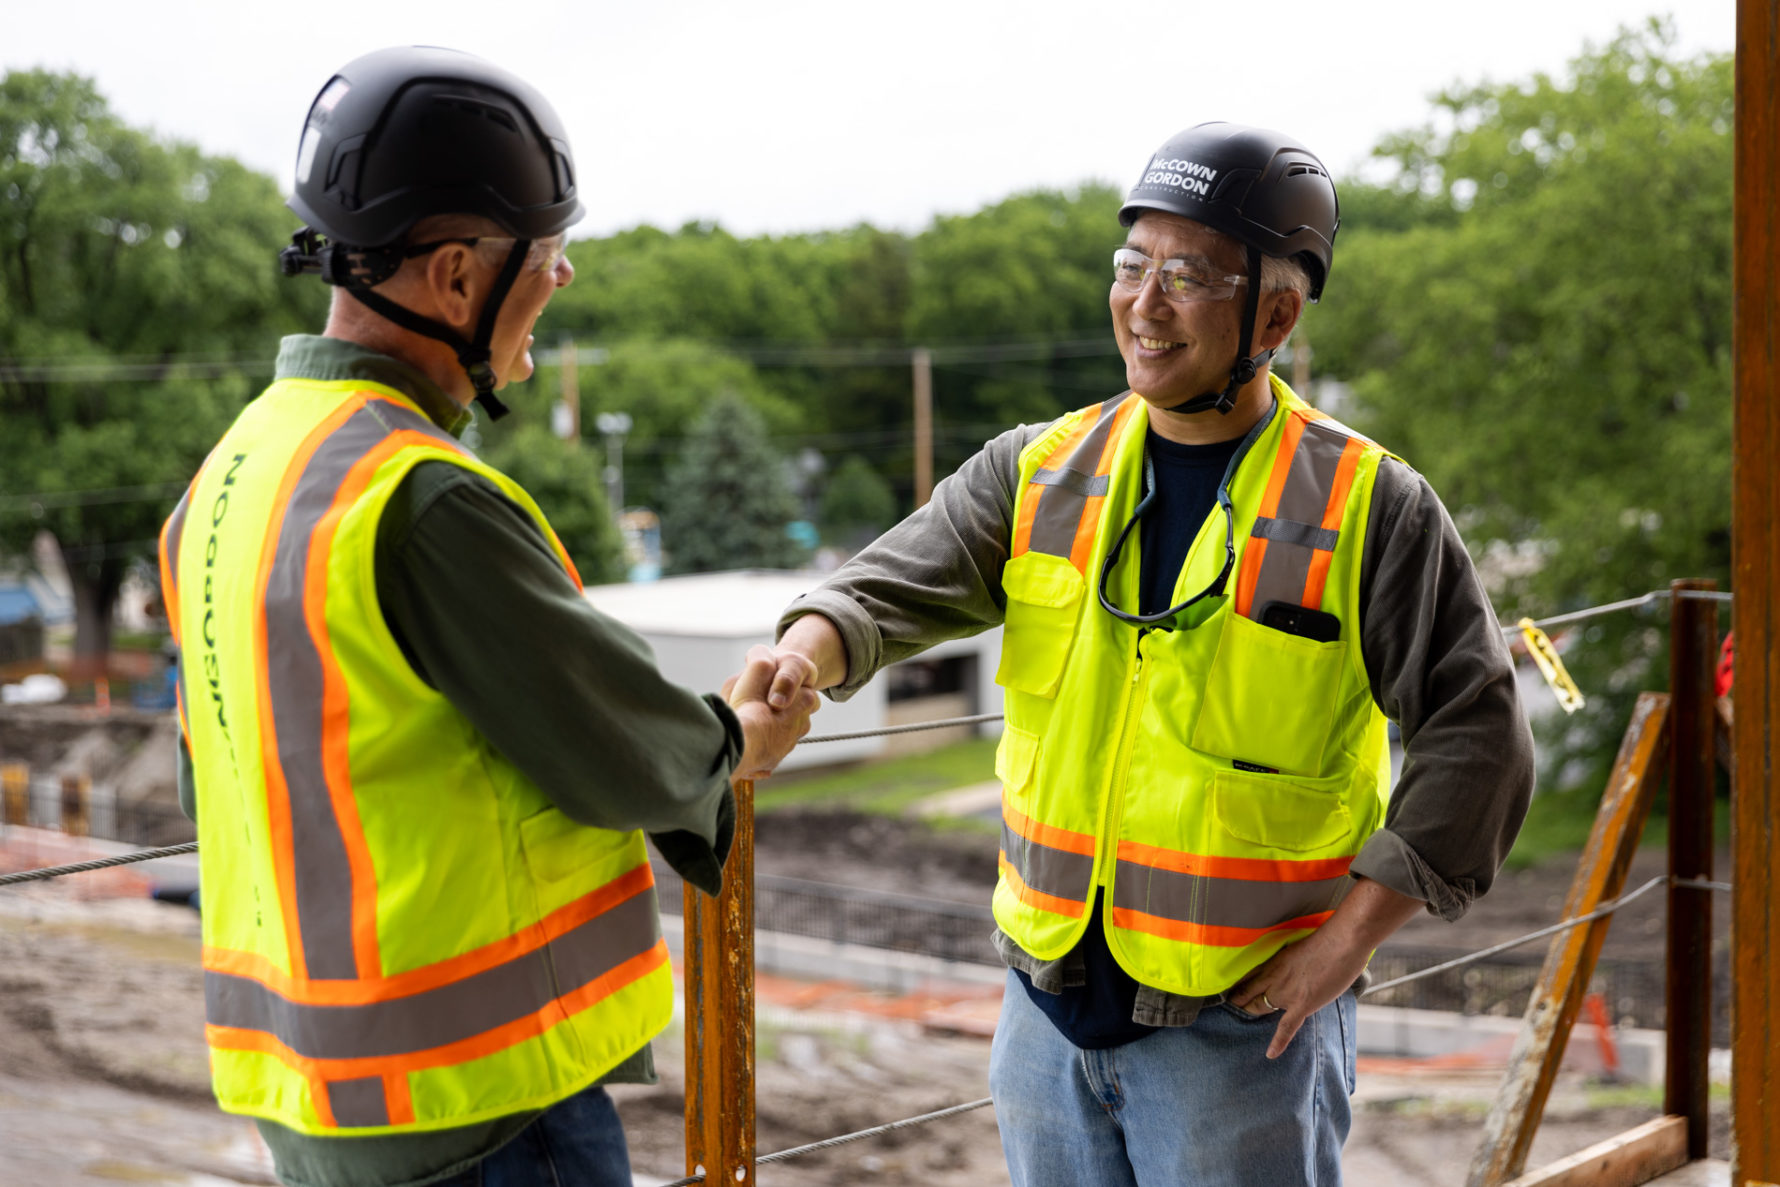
[[1247, 366], [473, 354]]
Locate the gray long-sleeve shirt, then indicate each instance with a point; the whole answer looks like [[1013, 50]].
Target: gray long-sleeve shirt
[[1434, 653], [484, 612]]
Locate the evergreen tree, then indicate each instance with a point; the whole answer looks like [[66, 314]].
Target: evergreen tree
[[728, 499]]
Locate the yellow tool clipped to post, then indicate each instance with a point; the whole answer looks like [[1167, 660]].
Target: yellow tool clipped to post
[[1551, 666]]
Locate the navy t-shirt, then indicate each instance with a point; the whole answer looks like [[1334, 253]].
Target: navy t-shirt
[[1097, 1015]]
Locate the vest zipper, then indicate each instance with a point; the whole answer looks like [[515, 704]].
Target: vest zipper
[[1115, 800]]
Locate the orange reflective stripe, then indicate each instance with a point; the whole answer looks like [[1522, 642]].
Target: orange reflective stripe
[[1048, 835], [1210, 935], [357, 993], [1254, 553], [397, 1098], [487, 1043], [1282, 465], [1321, 559], [1023, 526], [278, 812], [1038, 899], [1248, 869]]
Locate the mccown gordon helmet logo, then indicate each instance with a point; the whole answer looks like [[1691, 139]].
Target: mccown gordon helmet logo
[[1186, 175]]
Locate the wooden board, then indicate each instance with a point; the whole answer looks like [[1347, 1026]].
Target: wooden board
[[1570, 961], [1635, 1156]]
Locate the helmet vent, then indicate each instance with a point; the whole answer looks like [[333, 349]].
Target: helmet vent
[[1301, 169], [472, 106]]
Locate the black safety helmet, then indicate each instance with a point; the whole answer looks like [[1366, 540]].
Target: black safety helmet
[[1261, 188], [401, 134]]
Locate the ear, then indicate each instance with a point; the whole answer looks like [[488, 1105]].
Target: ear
[[1278, 314], [450, 281]]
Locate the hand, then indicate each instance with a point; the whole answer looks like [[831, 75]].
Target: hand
[[768, 734], [1298, 981], [810, 655], [1304, 977]]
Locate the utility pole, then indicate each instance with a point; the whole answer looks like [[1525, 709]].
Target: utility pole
[[922, 360], [1300, 363], [1755, 580], [568, 419], [613, 426]]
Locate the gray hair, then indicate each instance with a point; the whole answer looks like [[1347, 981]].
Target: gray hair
[[1282, 273]]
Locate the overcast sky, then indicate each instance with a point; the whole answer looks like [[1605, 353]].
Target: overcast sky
[[800, 116]]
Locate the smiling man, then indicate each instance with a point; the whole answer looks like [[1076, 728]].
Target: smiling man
[[422, 766], [1213, 596]]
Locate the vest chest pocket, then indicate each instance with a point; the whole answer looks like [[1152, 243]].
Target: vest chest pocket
[[1044, 599], [1270, 698]]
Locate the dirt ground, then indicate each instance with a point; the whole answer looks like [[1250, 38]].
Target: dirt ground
[[103, 1077]]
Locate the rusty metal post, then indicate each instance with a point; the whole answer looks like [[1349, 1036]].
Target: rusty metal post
[[77, 803], [15, 790], [1755, 810], [719, 969], [1570, 961], [1693, 644]]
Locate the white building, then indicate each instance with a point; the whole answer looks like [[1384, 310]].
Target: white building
[[701, 628]]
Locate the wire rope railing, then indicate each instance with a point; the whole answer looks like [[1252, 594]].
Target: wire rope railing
[[1602, 911]]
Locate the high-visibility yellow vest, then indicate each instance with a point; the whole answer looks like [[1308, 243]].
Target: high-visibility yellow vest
[[401, 933], [1216, 779]]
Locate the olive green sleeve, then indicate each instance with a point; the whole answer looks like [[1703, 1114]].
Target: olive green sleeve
[[485, 613], [1440, 669], [934, 576]]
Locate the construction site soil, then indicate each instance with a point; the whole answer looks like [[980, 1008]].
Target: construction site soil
[[103, 1070]]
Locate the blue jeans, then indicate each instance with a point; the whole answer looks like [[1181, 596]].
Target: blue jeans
[[576, 1142], [1187, 1106]]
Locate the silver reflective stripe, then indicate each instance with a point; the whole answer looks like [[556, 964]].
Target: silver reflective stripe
[[358, 1102], [1294, 534], [1055, 872], [1222, 902], [1060, 509], [1074, 480], [422, 1021], [1301, 534], [175, 536], [323, 874], [175, 533]]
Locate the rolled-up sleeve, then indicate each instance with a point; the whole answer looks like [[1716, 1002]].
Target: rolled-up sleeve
[[1441, 670], [934, 576]]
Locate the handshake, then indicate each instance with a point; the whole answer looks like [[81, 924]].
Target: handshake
[[775, 692]]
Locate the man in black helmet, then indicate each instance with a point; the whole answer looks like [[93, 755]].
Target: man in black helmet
[[1213, 598], [421, 764]]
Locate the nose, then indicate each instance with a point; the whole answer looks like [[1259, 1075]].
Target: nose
[[1149, 300], [565, 271]]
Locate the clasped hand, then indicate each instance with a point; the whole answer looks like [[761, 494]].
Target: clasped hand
[[769, 731]]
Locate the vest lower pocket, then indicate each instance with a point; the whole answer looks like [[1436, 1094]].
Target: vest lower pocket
[[1044, 597], [1270, 698], [1265, 812]]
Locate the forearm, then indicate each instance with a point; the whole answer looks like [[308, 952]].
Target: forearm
[[935, 576]]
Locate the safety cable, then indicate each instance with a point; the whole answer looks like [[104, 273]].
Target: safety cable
[[782, 1155], [1599, 912], [103, 863]]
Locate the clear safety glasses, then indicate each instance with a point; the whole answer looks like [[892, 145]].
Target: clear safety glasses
[[543, 255], [1182, 280]]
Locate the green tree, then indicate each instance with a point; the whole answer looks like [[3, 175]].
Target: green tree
[[728, 499], [857, 503], [139, 309], [565, 479], [1538, 318]]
